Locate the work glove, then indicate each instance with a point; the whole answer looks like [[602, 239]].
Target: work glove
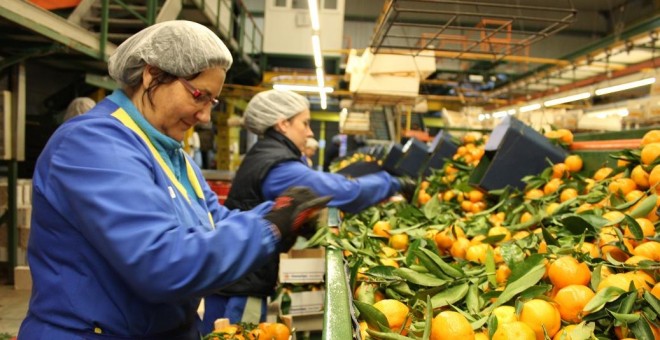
[[293, 208], [408, 187]]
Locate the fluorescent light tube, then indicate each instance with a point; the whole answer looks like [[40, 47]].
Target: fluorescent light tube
[[316, 48], [303, 88], [626, 86], [530, 107], [320, 77], [314, 14], [324, 100], [562, 100], [499, 114]]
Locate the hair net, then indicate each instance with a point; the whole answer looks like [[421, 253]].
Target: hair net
[[78, 106], [266, 108], [181, 48], [312, 143]]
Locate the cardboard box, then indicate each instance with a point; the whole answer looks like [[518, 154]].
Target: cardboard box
[[22, 278], [302, 266], [441, 148], [307, 302], [23, 237], [514, 151], [302, 323], [415, 155]]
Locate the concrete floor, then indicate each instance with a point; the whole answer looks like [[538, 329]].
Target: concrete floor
[[13, 307]]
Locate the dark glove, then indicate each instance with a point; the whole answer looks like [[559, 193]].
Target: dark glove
[[293, 208], [408, 187]]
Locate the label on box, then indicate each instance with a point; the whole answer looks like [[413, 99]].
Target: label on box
[[302, 270]]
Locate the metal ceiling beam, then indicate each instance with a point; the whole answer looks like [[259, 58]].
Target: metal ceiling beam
[[54, 27]]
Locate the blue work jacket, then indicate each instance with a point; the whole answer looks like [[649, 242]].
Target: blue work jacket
[[120, 250]]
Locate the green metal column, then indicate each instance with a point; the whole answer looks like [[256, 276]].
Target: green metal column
[[337, 324], [222, 137], [12, 221], [322, 149]]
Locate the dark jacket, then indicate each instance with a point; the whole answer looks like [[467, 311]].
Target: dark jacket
[[246, 193]]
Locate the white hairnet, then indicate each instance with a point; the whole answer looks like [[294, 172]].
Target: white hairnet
[[181, 48], [78, 106], [312, 143], [266, 108]]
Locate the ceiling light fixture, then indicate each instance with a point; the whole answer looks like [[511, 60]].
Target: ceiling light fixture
[[568, 99], [303, 88], [530, 107], [316, 48], [626, 86]]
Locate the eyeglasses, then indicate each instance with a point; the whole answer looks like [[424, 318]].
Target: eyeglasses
[[200, 96]]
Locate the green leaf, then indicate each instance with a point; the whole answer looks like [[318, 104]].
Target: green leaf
[[520, 269], [418, 278], [529, 277], [428, 318], [492, 325], [595, 276], [602, 297], [387, 335], [634, 227], [594, 220], [410, 255], [402, 288], [450, 296], [534, 292], [432, 207], [472, 299], [490, 267], [576, 224], [374, 318], [653, 301], [645, 207], [641, 329], [444, 266], [385, 273], [511, 254], [493, 239], [625, 318], [628, 301], [548, 238]]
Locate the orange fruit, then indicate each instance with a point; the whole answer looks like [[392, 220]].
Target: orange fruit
[[656, 290], [424, 185], [636, 259], [566, 136], [567, 194], [568, 329], [602, 173], [534, 194], [500, 231], [399, 241], [573, 163], [475, 196], [650, 152], [382, 228], [648, 230], [640, 177], [622, 186], [526, 216], [654, 178], [502, 274], [395, 311], [620, 280], [450, 325], [652, 136], [571, 300], [538, 314], [514, 330], [423, 197], [650, 249], [459, 247], [279, 331], [591, 249], [552, 186], [257, 334], [444, 239], [567, 271], [477, 253], [559, 170]]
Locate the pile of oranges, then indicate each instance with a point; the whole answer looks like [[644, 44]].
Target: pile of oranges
[[263, 331], [575, 255]]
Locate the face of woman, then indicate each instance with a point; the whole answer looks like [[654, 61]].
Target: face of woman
[[182, 104], [297, 129]]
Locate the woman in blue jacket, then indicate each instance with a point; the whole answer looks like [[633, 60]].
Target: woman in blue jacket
[[126, 234], [272, 165]]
